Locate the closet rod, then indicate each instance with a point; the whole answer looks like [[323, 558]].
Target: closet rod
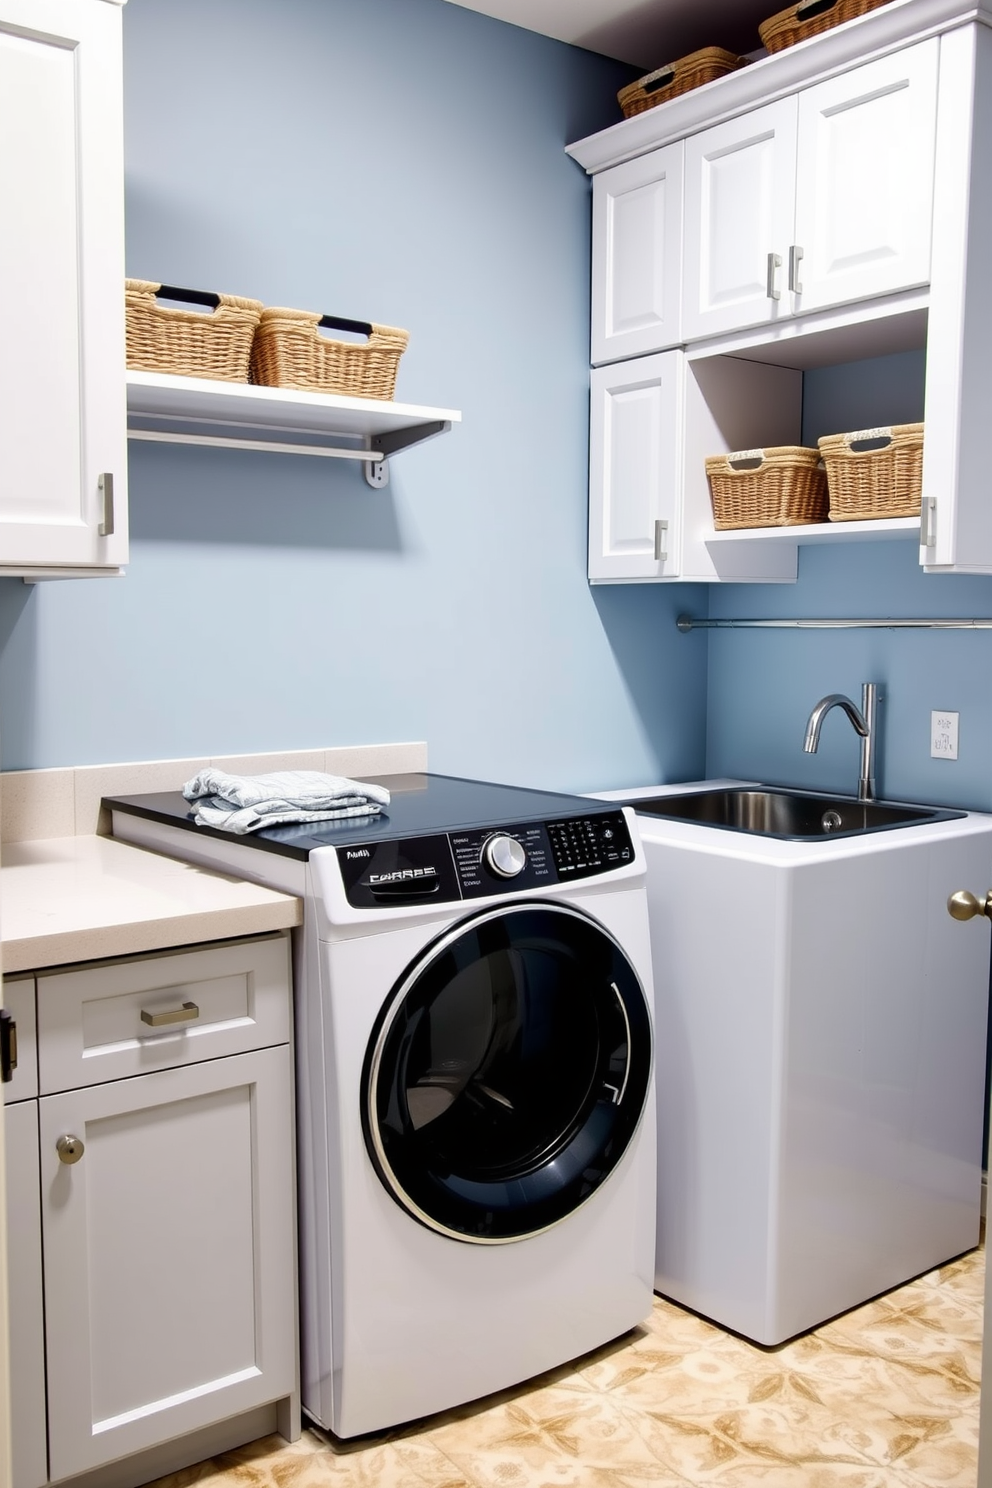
[[686, 623]]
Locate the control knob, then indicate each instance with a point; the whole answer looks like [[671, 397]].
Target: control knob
[[504, 856]]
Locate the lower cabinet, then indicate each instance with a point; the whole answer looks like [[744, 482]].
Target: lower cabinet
[[162, 1203]]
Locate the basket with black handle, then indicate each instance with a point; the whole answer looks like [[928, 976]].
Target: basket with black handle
[[290, 352], [189, 343], [809, 18], [675, 78]]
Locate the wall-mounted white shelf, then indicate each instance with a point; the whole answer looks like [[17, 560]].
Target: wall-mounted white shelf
[[197, 410], [882, 530]]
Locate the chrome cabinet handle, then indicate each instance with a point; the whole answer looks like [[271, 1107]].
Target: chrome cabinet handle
[[795, 259], [774, 263], [186, 1014], [660, 543], [70, 1149], [928, 527], [105, 485], [966, 906]]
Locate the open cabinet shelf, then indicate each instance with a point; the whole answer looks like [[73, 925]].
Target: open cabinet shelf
[[196, 410], [882, 530]]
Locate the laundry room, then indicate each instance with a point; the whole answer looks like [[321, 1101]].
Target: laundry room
[[431, 166]]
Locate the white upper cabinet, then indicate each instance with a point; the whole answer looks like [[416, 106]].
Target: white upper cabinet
[[739, 212], [634, 452], [819, 199], [637, 256], [63, 467], [864, 189]]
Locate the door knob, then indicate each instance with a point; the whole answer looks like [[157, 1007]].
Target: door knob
[[965, 906], [70, 1149]]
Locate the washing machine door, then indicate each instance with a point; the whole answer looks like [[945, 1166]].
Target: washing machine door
[[507, 1073]]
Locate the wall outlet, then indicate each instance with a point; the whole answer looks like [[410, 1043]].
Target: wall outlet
[[944, 735]]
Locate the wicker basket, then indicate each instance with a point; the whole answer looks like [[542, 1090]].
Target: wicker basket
[[188, 343], [881, 478], [289, 352], [677, 77], [780, 487], [809, 18]]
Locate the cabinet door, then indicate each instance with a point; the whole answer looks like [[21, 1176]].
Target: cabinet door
[[634, 469], [864, 191], [740, 182], [27, 1317], [62, 397], [168, 1249], [637, 256]]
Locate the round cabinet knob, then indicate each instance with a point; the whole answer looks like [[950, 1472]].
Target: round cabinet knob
[[965, 906], [504, 856], [70, 1149]]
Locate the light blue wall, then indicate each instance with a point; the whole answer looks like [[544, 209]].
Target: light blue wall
[[762, 684], [397, 160]]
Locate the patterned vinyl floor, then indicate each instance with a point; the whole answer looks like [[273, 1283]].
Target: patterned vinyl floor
[[884, 1397]]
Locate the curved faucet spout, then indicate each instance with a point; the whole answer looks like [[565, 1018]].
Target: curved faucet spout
[[863, 722], [819, 713]]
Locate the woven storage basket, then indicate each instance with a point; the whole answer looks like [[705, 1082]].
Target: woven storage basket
[[780, 487], [677, 77], [188, 343], [882, 478], [809, 18], [289, 352]]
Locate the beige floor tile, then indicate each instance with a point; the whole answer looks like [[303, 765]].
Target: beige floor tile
[[884, 1397]]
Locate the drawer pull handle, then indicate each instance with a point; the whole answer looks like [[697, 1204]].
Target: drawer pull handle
[[185, 1014], [70, 1149]]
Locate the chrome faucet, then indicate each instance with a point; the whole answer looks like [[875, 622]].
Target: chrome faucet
[[863, 719]]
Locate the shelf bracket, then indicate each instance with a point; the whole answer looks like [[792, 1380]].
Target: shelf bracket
[[381, 446]]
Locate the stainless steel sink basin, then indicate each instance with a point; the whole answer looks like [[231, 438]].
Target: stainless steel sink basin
[[797, 815]]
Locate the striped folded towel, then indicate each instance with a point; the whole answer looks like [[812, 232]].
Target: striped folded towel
[[245, 803]]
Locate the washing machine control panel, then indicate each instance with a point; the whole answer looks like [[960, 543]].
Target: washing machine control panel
[[482, 861], [586, 845]]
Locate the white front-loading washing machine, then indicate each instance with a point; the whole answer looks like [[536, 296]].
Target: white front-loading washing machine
[[476, 1137]]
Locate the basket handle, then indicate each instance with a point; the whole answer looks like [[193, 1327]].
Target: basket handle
[[868, 439], [661, 81], [188, 296], [746, 459], [807, 9], [338, 323]]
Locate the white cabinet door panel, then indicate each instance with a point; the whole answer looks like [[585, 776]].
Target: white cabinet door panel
[[865, 180], [27, 1314], [62, 416], [168, 1253], [637, 256], [739, 199], [635, 419]]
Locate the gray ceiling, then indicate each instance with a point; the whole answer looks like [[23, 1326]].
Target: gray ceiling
[[646, 33]]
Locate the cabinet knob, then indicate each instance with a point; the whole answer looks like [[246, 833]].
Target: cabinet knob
[[965, 906], [70, 1149]]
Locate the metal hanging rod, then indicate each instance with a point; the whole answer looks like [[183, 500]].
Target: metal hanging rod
[[686, 623]]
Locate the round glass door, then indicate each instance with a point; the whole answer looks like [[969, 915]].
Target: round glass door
[[507, 1073]]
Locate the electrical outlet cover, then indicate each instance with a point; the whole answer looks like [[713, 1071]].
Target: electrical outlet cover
[[944, 735]]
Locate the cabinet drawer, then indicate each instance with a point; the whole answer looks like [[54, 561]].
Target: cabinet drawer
[[18, 999], [113, 1019]]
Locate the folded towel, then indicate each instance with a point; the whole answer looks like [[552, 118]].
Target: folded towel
[[245, 803]]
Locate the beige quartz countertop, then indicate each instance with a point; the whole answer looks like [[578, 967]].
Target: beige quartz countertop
[[67, 899]]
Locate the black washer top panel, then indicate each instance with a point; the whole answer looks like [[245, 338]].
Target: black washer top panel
[[420, 805]]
